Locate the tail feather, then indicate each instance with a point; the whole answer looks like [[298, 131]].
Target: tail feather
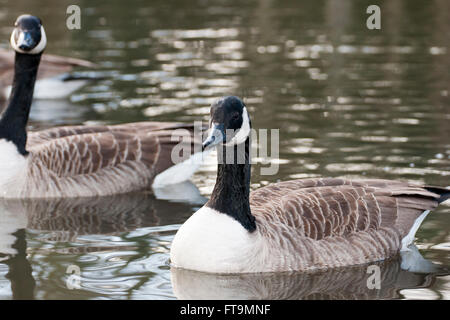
[[76, 76], [444, 193]]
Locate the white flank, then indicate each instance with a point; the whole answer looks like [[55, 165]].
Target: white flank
[[413, 261], [185, 192], [179, 172], [52, 88], [210, 241], [406, 241], [13, 169]]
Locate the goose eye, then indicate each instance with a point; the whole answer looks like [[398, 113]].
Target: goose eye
[[235, 116]]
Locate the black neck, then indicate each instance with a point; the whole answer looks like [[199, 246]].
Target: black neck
[[14, 120], [232, 189]]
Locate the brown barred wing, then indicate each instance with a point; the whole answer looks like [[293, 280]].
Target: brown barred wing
[[94, 164], [322, 208], [104, 160], [90, 152]]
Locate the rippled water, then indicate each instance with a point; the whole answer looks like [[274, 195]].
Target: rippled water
[[348, 102]]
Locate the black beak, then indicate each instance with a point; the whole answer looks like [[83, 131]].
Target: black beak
[[216, 136], [26, 41]]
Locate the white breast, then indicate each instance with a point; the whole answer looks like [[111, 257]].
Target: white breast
[[211, 241], [13, 169]]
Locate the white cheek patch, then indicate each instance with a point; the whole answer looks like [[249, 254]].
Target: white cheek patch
[[13, 41], [38, 49], [243, 132], [42, 44]]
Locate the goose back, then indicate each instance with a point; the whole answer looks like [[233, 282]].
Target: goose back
[[323, 223]]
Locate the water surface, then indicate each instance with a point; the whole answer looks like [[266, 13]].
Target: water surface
[[349, 102]]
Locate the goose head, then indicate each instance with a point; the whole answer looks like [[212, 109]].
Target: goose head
[[28, 36], [230, 123]]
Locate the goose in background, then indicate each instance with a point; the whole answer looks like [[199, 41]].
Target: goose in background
[[82, 161], [298, 225], [54, 80]]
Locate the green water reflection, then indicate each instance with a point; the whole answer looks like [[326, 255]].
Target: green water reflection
[[348, 102]]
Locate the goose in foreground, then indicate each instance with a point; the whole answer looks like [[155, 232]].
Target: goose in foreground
[[54, 80], [82, 161], [298, 225]]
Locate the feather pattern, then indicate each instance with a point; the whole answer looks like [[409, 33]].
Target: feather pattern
[[323, 223]]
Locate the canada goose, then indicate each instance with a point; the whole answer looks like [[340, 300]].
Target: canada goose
[[79, 161], [53, 78], [296, 225]]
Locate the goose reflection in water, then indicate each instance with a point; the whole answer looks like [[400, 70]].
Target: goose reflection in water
[[97, 215], [20, 271], [64, 220], [348, 283]]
